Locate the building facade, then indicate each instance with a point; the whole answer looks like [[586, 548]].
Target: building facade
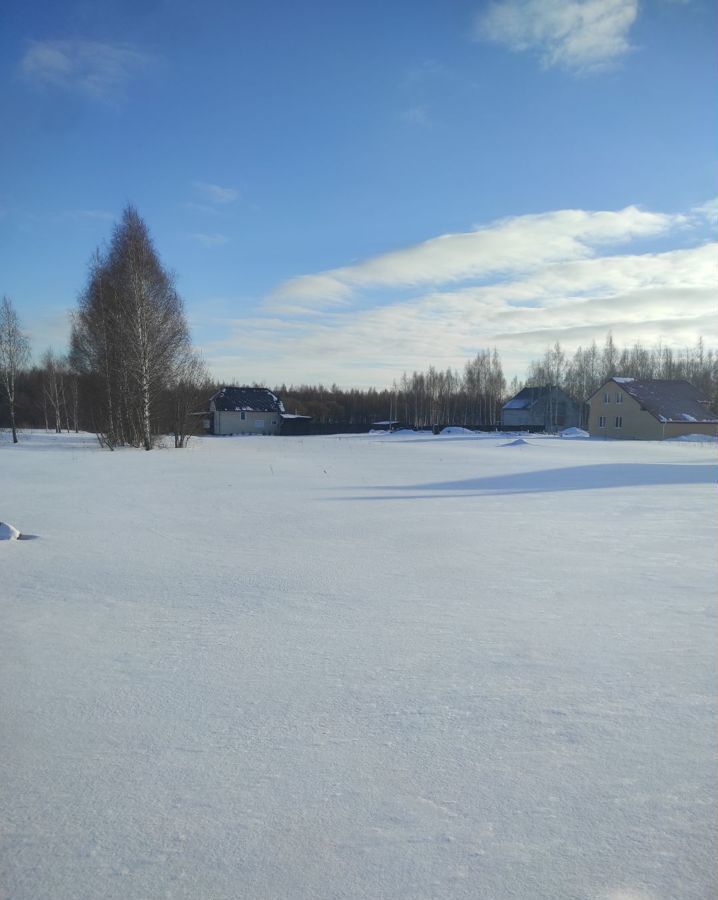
[[244, 410], [548, 407], [651, 410]]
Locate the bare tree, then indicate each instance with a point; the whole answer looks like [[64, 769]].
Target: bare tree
[[186, 394], [130, 336], [14, 355]]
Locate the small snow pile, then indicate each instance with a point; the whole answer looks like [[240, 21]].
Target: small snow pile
[[456, 429], [8, 532], [574, 433], [694, 438], [519, 442]]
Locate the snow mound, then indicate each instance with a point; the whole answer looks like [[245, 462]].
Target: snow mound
[[8, 532], [519, 442], [574, 433], [694, 438], [456, 429]]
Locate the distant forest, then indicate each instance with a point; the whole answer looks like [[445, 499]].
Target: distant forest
[[473, 398], [50, 394]]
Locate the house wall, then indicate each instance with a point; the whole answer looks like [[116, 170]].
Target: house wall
[[518, 417], [252, 423], [676, 429], [565, 411], [637, 423]]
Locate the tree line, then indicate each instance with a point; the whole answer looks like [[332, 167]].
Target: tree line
[[131, 374], [473, 398]]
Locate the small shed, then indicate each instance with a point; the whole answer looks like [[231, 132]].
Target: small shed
[[548, 407], [244, 410]]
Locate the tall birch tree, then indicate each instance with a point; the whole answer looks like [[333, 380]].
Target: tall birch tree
[[14, 356]]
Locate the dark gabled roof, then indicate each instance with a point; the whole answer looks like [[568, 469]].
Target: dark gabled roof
[[526, 398], [669, 401], [246, 399]]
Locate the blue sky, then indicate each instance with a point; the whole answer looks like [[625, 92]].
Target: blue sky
[[349, 190]]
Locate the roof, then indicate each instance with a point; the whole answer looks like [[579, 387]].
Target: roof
[[526, 398], [668, 400], [246, 399]]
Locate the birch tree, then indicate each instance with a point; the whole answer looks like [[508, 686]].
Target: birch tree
[[130, 336], [14, 356]]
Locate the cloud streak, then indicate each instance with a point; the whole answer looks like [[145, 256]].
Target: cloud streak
[[215, 193], [97, 71], [518, 284], [579, 35], [210, 240], [518, 244]]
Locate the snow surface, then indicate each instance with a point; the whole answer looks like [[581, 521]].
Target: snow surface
[[574, 432], [695, 438], [358, 667], [519, 442], [8, 532]]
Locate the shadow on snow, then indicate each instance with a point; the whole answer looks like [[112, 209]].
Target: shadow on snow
[[577, 478]]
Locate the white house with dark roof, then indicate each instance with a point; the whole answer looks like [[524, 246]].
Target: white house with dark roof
[[244, 410], [652, 410]]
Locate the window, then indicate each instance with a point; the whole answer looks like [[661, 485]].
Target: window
[[606, 397], [242, 416], [619, 421], [619, 396], [601, 421]]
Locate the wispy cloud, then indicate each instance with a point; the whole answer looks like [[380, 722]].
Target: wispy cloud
[[69, 216], [89, 215], [668, 297], [98, 71], [518, 284], [215, 193], [581, 35], [517, 244], [210, 240], [416, 115]]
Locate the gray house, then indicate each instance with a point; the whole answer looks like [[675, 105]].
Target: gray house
[[542, 407], [243, 410]]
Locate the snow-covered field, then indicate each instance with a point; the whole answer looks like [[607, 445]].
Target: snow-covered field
[[358, 667]]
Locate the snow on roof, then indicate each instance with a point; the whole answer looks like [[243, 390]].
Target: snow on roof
[[246, 399], [530, 395], [669, 400]]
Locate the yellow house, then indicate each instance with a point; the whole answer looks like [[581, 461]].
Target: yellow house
[[650, 410]]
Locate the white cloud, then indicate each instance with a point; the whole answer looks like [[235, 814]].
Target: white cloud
[[210, 240], [513, 245], [581, 35], [215, 193], [95, 70], [518, 284], [707, 211]]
